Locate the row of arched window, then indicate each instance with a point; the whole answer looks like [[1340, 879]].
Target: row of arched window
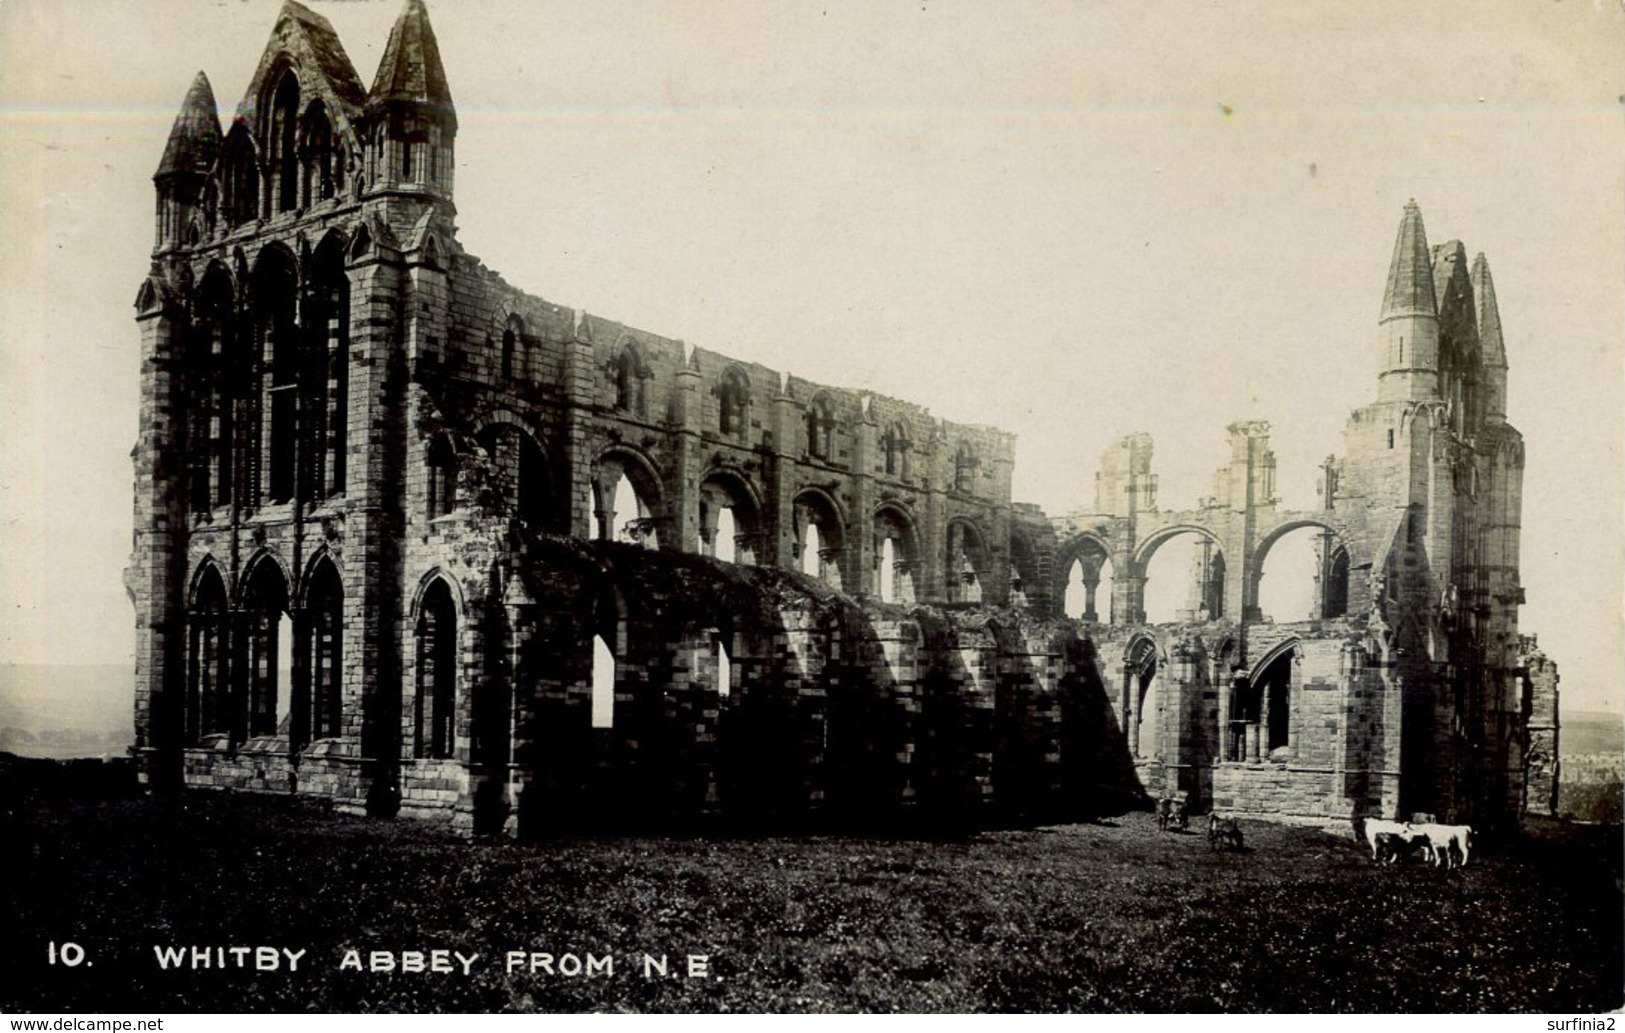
[[266, 666], [300, 159], [623, 500], [628, 377], [268, 407], [304, 162]]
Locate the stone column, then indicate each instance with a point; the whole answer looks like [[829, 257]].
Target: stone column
[[156, 576], [688, 414]]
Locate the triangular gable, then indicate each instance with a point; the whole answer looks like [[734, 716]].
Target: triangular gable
[[307, 41]]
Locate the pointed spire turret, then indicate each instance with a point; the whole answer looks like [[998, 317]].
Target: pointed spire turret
[[194, 140], [411, 71], [1490, 341], [1408, 329], [1410, 274], [1489, 316], [411, 102], [185, 204]]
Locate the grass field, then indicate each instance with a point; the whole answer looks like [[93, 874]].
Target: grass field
[[1109, 917]]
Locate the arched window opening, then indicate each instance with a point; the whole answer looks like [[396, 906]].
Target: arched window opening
[[1145, 723], [1291, 575], [1074, 602], [820, 429], [1335, 593], [725, 539], [328, 373], [442, 470], [603, 684], [1148, 718], [515, 351], [269, 652], [966, 562], [435, 699], [629, 390], [965, 466], [895, 445], [887, 572], [1179, 579], [811, 546], [535, 494], [1261, 712], [724, 665], [897, 557], [283, 143], [1212, 589], [275, 290], [211, 432], [240, 177], [626, 516], [324, 608], [208, 686], [728, 519], [1089, 582], [733, 403], [819, 537], [321, 168]]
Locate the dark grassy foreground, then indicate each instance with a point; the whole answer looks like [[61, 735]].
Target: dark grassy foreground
[[1110, 917]]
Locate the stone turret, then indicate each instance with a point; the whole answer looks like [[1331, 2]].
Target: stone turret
[[413, 123], [1408, 327], [1494, 398], [182, 178]]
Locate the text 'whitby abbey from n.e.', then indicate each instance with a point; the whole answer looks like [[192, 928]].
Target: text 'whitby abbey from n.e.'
[[412, 540]]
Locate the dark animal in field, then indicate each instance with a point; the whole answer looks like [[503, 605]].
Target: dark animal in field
[[1171, 813], [1393, 847], [1223, 832]]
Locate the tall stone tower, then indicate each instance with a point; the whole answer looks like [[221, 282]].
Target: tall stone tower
[[1435, 473], [295, 252]]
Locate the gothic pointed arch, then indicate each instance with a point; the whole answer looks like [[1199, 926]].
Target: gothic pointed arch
[[520, 478], [433, 719], [212, 395], [320, 158], [629, 376], [1143, 663], [967, 566], [208, 708], [239, 177], [272, 441], [730, 516], [282, 140], [320, 711], [326, 372], [267, 638], [897, 555], [820, 427], [820, 535], [628, 497], [733, 403]]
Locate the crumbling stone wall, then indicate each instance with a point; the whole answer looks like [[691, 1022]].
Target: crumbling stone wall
[[393, 513]]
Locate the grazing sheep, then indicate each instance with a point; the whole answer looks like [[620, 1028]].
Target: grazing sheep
[[1443, 842], [1171, 812], [1223, 831]]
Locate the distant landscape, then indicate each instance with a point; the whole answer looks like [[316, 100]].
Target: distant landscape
[[66, 710], [86, 710], [1590, 731]]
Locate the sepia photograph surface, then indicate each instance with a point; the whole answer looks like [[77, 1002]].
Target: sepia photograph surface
[[811, 507]]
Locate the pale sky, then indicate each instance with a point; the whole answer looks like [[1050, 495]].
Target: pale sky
[[1072, 220]]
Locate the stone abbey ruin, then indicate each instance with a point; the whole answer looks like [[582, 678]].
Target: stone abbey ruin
[[417, 542]]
